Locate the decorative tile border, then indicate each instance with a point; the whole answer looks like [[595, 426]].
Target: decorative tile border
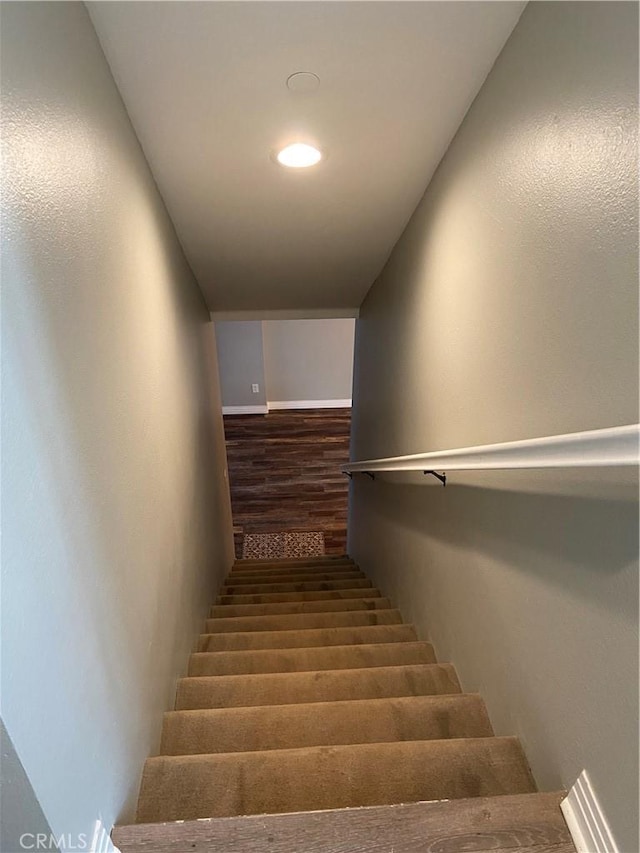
[[265, 546]]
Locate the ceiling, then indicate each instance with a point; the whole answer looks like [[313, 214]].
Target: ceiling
[[205, 87]]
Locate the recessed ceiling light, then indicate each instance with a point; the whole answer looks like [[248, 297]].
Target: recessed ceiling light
[[299, 156], [303, 83]]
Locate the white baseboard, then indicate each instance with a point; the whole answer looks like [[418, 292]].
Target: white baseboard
[[286, 404], [309, 404], [587, 823], [245, 410], [101, 841]]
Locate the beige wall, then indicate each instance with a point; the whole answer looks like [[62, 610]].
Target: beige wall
[[308, 359], [241, 362], [116, 527], [291, 360], [509, 310]]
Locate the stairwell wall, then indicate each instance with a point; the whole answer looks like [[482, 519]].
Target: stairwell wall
[[509, 310], [116, 527], [308, 359]]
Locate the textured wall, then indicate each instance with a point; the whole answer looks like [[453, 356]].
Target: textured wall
[[241, 362], [20, 810], [308, 359], [509, 310], [116, 527]]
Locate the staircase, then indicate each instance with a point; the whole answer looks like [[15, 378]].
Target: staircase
[[309, 694]]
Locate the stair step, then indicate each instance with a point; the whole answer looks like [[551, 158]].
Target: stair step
[[296, 569], [329, 606], [295, 586], [303, 621], [318, 568], [314, 595], [287, 688], [274, 781], [325, 559], [307, 659], [306, 637], [324, 723], [526, 823], [293, 577]]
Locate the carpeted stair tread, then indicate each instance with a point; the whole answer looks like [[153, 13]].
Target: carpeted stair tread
[[307, 693], [324, 723], [295, 586], [302, 621], [293, 577], [310, 573], [307, 659], [323, 560], [532, 823], [277, 781], [313, 595], [293, 570], [306, 637], [329, 606], [285, 688]]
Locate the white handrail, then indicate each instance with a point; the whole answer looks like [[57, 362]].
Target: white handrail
[[595, 448]]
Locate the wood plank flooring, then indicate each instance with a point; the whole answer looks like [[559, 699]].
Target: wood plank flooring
[[285, 473], [522, 823]]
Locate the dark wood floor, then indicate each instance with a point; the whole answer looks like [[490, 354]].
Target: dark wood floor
[[285, 473]]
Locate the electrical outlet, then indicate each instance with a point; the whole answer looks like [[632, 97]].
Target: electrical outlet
[[255, 388]]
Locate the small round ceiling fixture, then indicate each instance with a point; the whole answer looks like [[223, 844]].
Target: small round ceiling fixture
[[303, 82], [299, 156]]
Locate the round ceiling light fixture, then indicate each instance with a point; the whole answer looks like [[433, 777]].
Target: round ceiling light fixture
[[303, 83], [300, 155]]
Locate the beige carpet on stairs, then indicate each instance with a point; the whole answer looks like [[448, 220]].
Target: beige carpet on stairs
[[307, 693]]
